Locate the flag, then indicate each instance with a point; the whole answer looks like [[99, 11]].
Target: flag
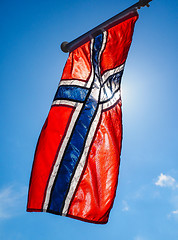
[[77, 158]]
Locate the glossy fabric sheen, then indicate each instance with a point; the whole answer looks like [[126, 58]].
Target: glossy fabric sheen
[[116, 50], [48, 144], [77, 158], [112, 84], [76, 144], [96, 192], [78, 65], [71, 93]]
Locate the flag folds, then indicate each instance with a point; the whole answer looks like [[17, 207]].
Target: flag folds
[[77, 158]]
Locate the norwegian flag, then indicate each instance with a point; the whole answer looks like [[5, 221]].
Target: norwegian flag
[[77, 158]]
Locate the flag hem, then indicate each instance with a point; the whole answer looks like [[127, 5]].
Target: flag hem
[[68, 215]]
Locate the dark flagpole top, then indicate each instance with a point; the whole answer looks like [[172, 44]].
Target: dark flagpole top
[[70, 46]]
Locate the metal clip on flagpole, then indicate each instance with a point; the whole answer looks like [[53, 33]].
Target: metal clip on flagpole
[[70, 46]]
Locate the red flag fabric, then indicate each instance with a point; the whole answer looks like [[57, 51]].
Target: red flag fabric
[[77, 158]]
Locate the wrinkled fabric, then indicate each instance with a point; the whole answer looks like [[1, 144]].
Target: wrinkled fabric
[[77, 158]]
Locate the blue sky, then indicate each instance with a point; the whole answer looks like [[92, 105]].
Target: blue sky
[[31, 63]]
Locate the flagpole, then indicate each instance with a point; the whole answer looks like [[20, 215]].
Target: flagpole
[[70, 46]]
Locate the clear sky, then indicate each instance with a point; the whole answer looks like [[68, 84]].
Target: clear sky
[[31, 63]]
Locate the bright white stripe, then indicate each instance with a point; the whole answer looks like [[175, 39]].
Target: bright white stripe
[[111, 72], [73, 83], [112, 101], [82, 162], [107, 90], [95, 94], [75, 179], [60, 154], [64, 102], [66, 139]]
